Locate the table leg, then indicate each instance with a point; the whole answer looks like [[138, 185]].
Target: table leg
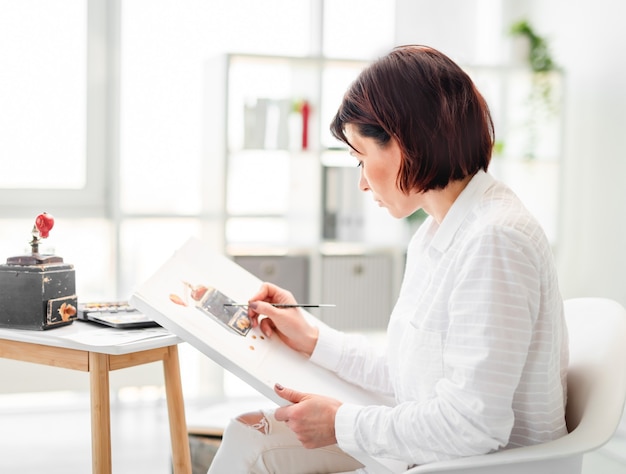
[[181, 456], [100, 413]]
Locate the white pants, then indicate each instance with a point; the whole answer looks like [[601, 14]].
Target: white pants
[[248, 450]]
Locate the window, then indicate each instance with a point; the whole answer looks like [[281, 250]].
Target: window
[[43, 109]]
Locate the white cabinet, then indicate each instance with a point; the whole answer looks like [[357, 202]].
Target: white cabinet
[[361, 286], [287, 271]]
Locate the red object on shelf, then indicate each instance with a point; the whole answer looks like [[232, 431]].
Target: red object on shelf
[[305, 110]]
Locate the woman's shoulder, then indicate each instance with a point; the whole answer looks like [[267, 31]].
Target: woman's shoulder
[[501, 214]]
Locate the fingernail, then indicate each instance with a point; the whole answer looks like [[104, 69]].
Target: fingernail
[[279, 387], [253, 305]]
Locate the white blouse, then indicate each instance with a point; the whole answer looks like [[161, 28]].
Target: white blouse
[[477, 347]]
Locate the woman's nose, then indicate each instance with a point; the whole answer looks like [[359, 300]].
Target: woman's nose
[[363, 184]]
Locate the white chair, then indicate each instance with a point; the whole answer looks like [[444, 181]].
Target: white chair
[[596, 392]]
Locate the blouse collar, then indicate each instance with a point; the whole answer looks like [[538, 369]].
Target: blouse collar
[[464, 203]]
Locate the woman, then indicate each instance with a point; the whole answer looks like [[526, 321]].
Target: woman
[[476, 344]]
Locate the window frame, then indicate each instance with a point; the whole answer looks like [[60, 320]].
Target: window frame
[[101, 133]]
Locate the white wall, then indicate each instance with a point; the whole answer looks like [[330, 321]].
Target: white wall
[[589, 42]]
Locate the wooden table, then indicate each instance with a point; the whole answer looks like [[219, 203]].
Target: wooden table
[[98, 350]]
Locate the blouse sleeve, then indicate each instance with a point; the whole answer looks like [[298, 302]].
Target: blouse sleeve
[[354, 359]]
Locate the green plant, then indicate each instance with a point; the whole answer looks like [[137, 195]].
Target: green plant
[[541, 63], [539, 57]]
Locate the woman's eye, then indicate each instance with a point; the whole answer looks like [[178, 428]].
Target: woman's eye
[[360, 164]]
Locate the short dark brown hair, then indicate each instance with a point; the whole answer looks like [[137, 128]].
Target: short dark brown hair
[[424, 100]]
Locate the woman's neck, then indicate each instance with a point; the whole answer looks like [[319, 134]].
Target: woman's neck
[[437, 202]]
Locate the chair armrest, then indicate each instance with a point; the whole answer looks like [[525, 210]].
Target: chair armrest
[[565, 451]]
